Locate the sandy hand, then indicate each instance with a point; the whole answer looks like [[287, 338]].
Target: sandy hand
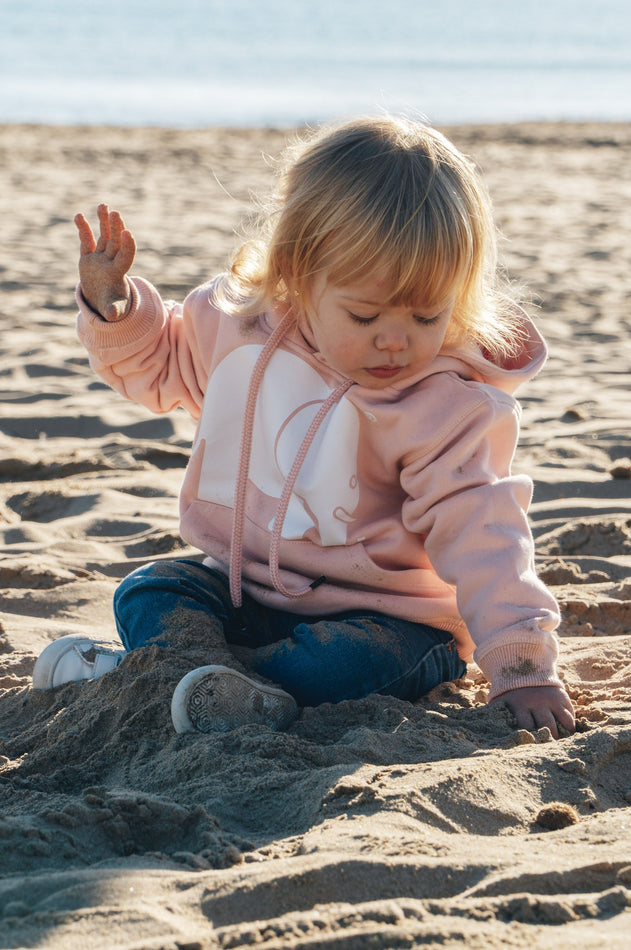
[[104, 263], [537, 706]]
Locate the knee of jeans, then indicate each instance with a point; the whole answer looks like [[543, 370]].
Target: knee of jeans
[[154, 572], [146, 576], [167, 568], [135, 579]]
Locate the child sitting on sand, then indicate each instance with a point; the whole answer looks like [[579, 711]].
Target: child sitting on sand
[[350, 480]]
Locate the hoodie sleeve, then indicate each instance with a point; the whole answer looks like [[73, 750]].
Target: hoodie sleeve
[[462, 498], [153, 356]]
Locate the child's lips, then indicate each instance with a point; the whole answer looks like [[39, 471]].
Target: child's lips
[[384, 372]]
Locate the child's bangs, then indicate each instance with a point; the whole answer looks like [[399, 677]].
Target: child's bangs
[[423, 272], [425, 277]]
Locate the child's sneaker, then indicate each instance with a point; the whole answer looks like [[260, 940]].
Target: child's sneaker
[[216, 699], [74, 657]]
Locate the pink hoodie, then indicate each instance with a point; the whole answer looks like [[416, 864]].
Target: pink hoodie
[[331, 496]]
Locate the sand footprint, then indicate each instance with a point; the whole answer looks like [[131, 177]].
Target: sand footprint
[[47, 506], [598, 537]]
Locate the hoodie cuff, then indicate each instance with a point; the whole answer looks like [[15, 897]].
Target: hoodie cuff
[[146, 314], [519, 661]]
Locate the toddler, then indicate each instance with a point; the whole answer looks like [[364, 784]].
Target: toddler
[[349, 486]]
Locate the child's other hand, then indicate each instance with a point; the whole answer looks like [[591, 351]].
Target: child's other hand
[[103, 264], [538, 706]]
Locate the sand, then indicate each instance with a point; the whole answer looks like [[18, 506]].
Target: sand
[[372, 824]]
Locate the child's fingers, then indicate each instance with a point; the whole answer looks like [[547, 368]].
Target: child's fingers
[[87, 243], [104, 225], [545, 717], [119, 239], [116, 229], [565, 716], [127, 250]]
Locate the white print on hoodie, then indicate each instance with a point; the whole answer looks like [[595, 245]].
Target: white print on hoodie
[[326, 492]]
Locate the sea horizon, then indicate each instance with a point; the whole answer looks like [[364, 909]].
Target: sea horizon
[[244, 63]]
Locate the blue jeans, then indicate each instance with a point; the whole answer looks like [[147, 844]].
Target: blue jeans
[[317, 659]]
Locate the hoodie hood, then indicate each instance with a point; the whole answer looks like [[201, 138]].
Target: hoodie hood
[[474, 363]]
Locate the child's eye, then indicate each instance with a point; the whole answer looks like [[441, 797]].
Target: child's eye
[[427, 321], [364, 321]]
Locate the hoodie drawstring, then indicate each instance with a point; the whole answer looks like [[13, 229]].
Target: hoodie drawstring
[[288, 488], [236, 544]]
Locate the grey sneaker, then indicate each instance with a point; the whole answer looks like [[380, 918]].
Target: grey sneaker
[[75, 657], [216, 699]]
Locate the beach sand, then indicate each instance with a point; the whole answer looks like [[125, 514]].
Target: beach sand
[[370, 824]]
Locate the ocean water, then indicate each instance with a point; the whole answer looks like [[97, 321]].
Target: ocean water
[[279, 62]]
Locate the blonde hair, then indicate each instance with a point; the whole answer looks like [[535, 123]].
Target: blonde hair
[[388, 193]]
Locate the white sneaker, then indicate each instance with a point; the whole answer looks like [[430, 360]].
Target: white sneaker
[[216, 699], [74, 657]]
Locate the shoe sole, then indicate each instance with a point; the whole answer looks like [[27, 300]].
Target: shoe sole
[[217, 699], [46, 663]]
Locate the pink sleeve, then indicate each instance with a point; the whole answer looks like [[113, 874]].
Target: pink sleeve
[[153, 356], [472, 512]]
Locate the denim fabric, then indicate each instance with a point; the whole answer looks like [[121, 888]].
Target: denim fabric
[[316, 659]]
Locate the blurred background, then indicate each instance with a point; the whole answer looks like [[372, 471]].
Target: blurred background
[[194, 63]]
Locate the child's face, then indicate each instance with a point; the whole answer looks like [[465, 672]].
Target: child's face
[[365, 337]]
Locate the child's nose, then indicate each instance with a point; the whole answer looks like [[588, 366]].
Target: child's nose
[[392, 340]]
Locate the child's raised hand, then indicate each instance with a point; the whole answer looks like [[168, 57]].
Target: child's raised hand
[[103, 264], [538, 706]]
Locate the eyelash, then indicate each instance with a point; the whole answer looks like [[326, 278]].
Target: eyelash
[[365, 321], [428, 321]]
